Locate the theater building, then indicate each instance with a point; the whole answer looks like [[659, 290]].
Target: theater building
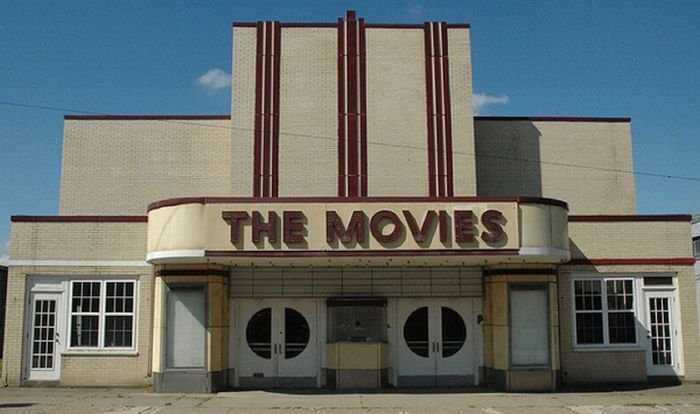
[[352, 225]]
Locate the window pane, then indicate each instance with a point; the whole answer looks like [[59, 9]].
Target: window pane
[[454, 332], [296, 333], [84, 330], [620, 295], [415, 332], [587, 295], [589, 328], [118, 331], [356, 323], [621, 328], [259, 333]]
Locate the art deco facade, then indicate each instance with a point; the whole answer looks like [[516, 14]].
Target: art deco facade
[[352, 224]]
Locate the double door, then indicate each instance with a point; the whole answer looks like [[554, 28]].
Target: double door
[[277, 344], [436, 342]]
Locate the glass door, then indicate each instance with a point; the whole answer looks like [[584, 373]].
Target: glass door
[[662, 334], [46, 338]]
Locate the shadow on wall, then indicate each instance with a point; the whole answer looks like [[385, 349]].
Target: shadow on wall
[[507, 157]]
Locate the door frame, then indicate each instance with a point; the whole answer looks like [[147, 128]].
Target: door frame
[[58, 289]]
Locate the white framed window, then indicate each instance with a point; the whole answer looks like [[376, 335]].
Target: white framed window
[[605, 312], [102, 314]]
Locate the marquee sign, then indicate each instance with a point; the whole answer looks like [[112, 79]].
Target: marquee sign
[[386, 227], [333, 231]]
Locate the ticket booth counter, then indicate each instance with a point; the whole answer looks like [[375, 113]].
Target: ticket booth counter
[[357, 347]]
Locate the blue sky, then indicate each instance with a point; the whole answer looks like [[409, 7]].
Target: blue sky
[[576, 58]]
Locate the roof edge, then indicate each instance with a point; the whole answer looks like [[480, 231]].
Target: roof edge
[[553, 118], [143, 117], [630, 217]]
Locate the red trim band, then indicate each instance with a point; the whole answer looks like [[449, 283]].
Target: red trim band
[[432, 190], [267, 90], [352, 107], [683, 261], [551, 118], [359, 253], [79, 219], [439, 113], [258, 200], [144, 117], [369, 25], [342, 178], [627, 218]]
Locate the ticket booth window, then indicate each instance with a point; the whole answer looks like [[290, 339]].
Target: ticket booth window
[[356, 320]]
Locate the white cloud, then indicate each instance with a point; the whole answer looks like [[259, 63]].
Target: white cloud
[[4, 254], [480, 100], [214, 79], [415, 10]]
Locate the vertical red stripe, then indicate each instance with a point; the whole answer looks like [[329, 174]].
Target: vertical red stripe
[[448, 111], [429, 110], [257, 151], [363, 109], [352, 106], [341, 108], [276, 111], [267, 105], [439, 110]]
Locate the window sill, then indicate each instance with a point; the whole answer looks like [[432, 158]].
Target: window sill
[[608, 348], [99, 352]]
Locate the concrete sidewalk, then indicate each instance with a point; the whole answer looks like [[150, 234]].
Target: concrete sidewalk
[[677, 399]]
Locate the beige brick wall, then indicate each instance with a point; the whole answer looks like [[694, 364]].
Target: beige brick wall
[[78, 241], [396, 112], [14, 328], [242, 111], [547, 158], [629, 240], [308, 143], [635, 239], [397, 162], [465, 172], [81, 370], [120, 166], [585, 366], [61, 241]]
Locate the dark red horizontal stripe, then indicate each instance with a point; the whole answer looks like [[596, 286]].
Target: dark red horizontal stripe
[[626, 218], [551, 118], [79, 219], [359, 253], [368, 25], [427, 200], [142, 117], [683, 261]]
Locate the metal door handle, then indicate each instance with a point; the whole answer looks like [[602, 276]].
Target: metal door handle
[[437, 347]]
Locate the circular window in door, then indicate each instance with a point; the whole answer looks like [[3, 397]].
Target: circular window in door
[[258, 333], [415, 332], [454, 332], [296, 333]]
